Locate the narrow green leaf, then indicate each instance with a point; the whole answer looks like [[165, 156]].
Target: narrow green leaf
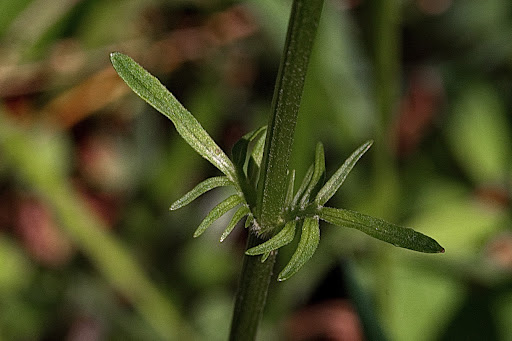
[[335, 182], [308, 243], [239, 151], [239, 214], [259, 147], [217, 212], [253, 166], [289, 191], [152, 91], [200, 189], [318, 175], [303, 186], [239, 156], [397, 235], [284, 237]]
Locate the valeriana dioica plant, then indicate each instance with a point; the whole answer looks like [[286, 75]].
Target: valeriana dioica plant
[[264, 186]]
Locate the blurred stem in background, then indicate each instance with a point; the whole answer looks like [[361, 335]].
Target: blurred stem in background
[[385, 39], [386, 42], [37, 157]]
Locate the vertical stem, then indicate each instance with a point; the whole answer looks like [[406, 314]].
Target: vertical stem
[[386, 40], [255, 278], [387, 67], [302, 27], [252, 293]]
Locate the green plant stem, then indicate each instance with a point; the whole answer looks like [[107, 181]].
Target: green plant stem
[[252, 293], [35, 158], [273, 182], [386, 41]]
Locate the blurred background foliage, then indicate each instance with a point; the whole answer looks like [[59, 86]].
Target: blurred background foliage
[[89, 251]]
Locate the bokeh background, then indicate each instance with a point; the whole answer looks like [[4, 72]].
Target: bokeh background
[[89, 250]]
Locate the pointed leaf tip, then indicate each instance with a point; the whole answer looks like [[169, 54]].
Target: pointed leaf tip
[[239, 214], [334, 183], [201, 188], [308, 244], [150, 89], [317, 176], [217, 212], [404, 237]]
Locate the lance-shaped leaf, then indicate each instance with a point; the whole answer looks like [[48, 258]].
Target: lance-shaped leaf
[[253, 166], [152, 91], [217, 212], [317, 177], [201, 188], [239, 151], [259, 147], [308, 243], [284, 237], [397, 235], [303, 186], [335, 182], [239, 214]]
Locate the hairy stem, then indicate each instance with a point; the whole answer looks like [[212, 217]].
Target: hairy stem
[[252, 293], [285, 107], [273, 182]]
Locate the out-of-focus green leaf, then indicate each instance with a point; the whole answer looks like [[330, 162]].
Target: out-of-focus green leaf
[[153, 92], [9, 11], [335, 182], [309, 239], [317, 177], [16, 270], [397, 235], [204, 271], [37, 20], [422, 300], [284, 237], [200, 189], [479, 133], [217, 212], [239, 214], [210, 311], [449, 210]]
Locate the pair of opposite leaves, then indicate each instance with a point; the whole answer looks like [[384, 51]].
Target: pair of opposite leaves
[[304, 209]]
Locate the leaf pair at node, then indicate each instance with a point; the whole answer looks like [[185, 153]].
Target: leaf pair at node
[[246, 170], [306, 208], [303, 208]]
